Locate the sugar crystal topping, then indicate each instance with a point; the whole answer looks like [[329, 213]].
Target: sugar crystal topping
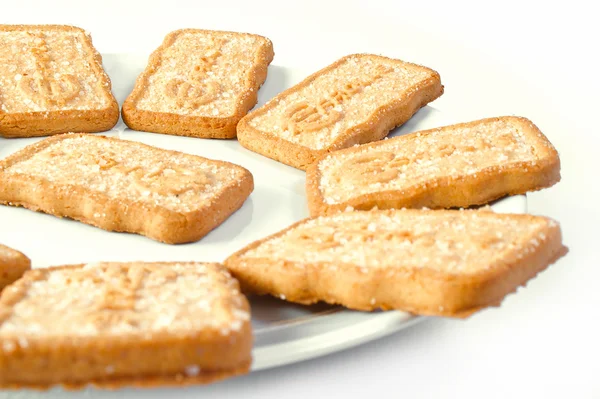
[[408, 161], [451, 241], [128, 170], [202, 74], [49, 70], [315, 115], [121, 299]]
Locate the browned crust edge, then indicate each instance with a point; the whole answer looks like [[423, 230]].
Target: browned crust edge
[[12, 268], [144, 382], [229, 355], [38, 124], [420, 291], [195, 126], [382, 121], [444, 192], [78, 203]]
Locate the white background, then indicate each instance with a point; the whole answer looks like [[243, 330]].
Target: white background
[[509, 57]]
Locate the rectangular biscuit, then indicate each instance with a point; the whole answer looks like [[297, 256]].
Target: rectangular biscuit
[[117, 324], [52, 81], [199, 83], [121, 185], [12, 265], [449, 167], [356, 100], [436, 262]]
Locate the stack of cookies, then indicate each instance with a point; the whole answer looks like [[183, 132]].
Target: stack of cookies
[[389, 228]]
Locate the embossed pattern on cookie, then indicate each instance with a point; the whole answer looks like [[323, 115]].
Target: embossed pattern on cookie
[[203, 82], [358, 99], [44, 87], [454, 166], [52, 81], [430, 262], [397, 240], [124, 323], [303, 117], [197, 89], [147, 190]]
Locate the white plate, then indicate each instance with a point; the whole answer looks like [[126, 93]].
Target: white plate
[[284, 333]]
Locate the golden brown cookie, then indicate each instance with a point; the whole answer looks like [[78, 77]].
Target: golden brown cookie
[[118, 324], [52, 81], [121, 185], [199, 83], [428, 262], [356, 100], [454, 166]]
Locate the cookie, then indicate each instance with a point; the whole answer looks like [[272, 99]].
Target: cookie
[[12, 265], [126, 186], [427, 262], [120, 324], [454, 166], [356, 100], [51, 82], [199, 83]]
